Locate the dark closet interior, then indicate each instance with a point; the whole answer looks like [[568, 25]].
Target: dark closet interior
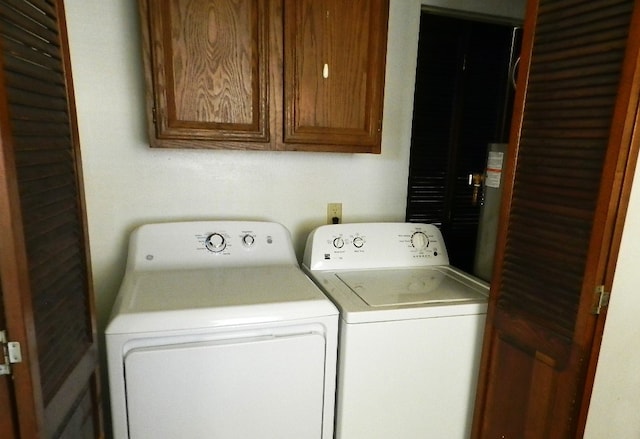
[[463, 101]]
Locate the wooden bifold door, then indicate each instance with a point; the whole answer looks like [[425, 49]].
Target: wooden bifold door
[[47, 297], [571, 158]]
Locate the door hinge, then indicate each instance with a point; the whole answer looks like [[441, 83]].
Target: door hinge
[[153, 115], [11, 353], [601, 299]]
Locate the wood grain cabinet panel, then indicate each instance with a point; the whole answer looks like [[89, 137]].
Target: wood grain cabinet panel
[[334, 71], [265, 74], [206, 71]]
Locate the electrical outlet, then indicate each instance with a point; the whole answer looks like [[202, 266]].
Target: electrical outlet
[[334, 213]]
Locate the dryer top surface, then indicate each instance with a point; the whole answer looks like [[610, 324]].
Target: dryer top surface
[[187, 299]]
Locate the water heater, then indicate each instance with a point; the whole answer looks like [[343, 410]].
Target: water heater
[[489, 212]]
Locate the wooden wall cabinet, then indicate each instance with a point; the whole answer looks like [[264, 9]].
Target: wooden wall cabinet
[[265, 74]]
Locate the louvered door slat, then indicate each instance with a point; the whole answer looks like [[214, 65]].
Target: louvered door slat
[[46, 88], [581, 32], [532, 235], [37, 100], [27, 54], [37, 8], [565, 269], [529, 289], [39, 11], [28, 25], [57, 280], [52, 151], [565, 14], [49, 253], [49, 129], [20, 40], [44, 308], [22, 112], [48, 197], [30, 70], [571, 92], [36, 174], [40, 143]]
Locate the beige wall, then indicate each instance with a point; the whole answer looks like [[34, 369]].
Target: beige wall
[[615, 404]]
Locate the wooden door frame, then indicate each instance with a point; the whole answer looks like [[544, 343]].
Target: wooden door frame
[[7, 417], [8, 423]]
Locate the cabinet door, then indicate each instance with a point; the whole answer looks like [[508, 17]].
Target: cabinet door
[[334, 60], [206, 72]]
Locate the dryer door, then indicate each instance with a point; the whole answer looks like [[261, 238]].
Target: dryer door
[[260, 387]]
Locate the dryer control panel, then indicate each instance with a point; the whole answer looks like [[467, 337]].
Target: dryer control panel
[[203, 244], [374, 245]]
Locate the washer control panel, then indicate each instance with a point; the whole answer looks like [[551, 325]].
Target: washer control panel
[[202, 244], [374, 245]]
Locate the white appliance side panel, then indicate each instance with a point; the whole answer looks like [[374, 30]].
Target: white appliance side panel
[[266, 387], [408, 379]]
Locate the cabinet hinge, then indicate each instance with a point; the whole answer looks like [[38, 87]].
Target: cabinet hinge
[[11, 353], [153, 114], [601, 299]]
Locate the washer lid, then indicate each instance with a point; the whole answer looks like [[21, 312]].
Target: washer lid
[[189, 299], [397, 287]]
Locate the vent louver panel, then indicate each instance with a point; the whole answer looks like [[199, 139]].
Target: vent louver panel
[[44, 155], [567, 116]]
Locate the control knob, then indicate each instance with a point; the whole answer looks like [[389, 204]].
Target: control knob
[[358, 242], [338, 242], [419, 241], [248, 240], [215, 243]]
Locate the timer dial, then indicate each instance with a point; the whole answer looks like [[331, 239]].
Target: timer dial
[[419, 240], [215, 243], [358, 242]]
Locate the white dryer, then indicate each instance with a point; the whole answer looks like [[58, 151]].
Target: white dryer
[[216, 332], [411, 327]]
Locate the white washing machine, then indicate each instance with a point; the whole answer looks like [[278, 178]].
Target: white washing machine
[[410, 330], [217, 333]]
